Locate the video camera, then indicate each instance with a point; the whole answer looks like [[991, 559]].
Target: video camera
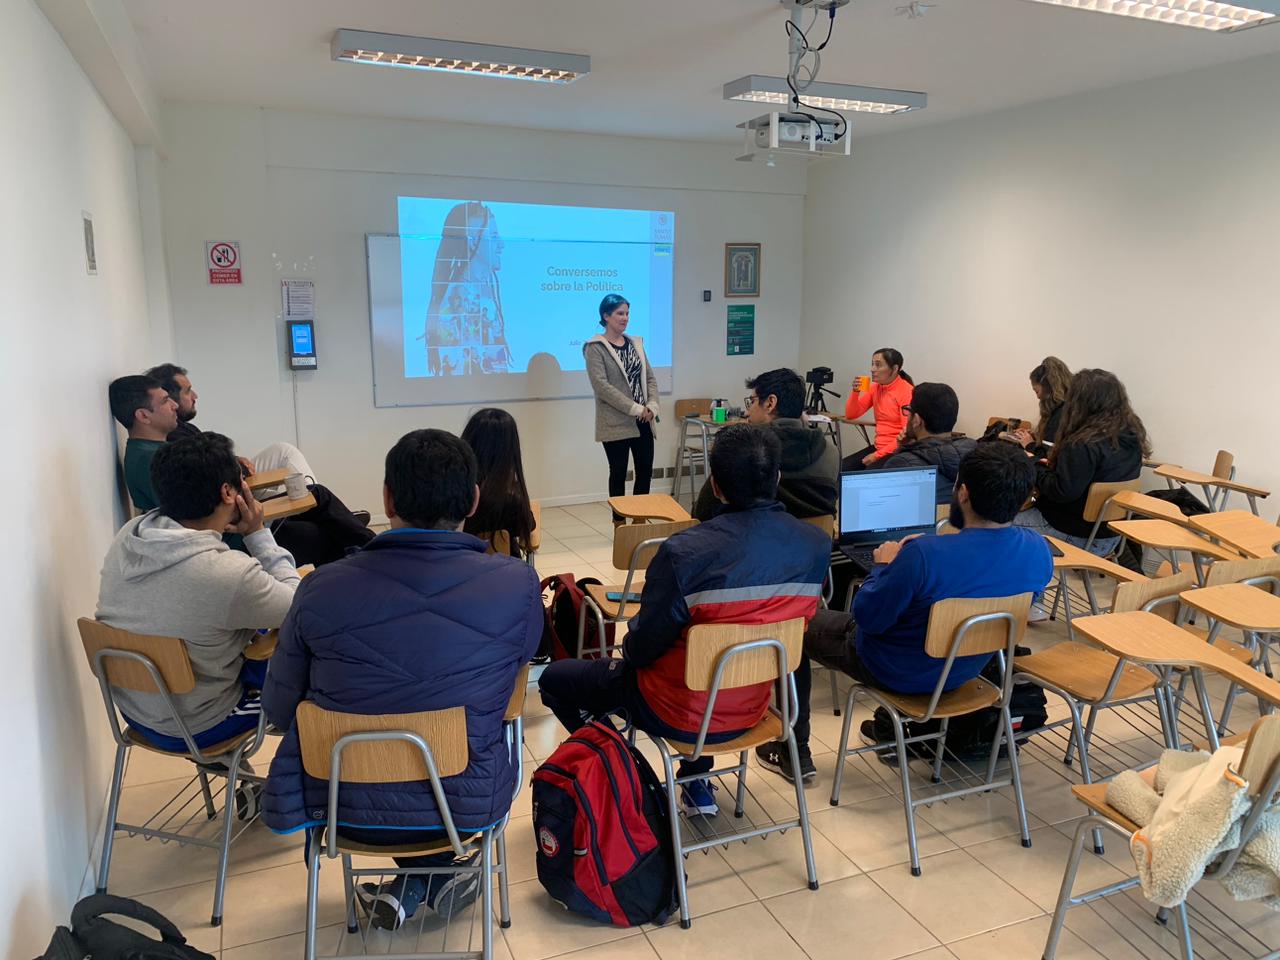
[[819, 376], [817, 379]]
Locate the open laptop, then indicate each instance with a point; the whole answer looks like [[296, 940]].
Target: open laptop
[[880, 505]]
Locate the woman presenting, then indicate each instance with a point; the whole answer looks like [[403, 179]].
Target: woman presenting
[[889, 390], [626, 396]]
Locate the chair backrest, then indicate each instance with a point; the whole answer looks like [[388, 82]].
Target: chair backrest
[[826, 523], [168, 654], [707, 643], [946, 617], [1234, 571], [1099, 493], [628, 536], [1261, 752], [382, 761], [1224, 465], [700, 407], [1146, 506], [1138, 593], [515, 706]]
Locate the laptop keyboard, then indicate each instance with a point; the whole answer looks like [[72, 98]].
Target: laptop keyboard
[[864, 556]]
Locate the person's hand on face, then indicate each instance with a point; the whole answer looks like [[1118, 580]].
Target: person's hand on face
[[248, 515], [246, 465]]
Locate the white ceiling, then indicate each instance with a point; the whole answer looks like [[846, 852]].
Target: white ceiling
[[658, 65]]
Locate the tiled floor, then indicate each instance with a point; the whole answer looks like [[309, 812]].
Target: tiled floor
[[981, 894]]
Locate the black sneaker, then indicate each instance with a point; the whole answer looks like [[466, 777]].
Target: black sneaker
[[775, 756], [390, 904], [248, 800], [447, 894]]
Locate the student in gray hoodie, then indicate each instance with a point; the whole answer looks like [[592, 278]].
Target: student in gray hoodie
[[169, 573], [810, 463]]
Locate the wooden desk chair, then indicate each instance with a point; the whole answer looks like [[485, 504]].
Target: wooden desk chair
[[634, 545], [1085, 565], [1171, 539], [686, 452], [160, 666], [644, 507], [399, 748], [1240, 530], [1099, 505], [1216, 489], [1224, 465], [729, 656], [957, 628], [1258, 766]]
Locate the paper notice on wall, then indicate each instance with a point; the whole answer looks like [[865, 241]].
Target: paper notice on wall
[[222, 260], [298, 299]]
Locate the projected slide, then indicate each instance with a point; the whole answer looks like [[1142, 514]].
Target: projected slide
[[481, 301]]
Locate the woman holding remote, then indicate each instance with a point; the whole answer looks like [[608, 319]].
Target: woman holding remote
[[888, 390], [626, 394]]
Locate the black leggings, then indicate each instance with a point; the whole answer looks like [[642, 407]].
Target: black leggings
[[641, 448]]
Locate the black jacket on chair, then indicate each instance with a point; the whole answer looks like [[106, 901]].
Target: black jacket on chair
[[1064, 487]]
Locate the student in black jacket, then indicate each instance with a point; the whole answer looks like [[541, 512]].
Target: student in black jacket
[[928, 440], [1050, 381], [1101, 440]]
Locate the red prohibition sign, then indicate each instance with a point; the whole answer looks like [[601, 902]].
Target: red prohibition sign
[[223, 255]]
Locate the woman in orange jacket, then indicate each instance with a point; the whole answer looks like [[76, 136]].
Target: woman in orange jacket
[[889, 392]]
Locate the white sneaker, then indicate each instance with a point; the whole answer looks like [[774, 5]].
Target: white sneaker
[[1037, 614]]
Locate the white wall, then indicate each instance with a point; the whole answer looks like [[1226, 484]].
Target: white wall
[[65, 336], [1133, 229], [300, 191]]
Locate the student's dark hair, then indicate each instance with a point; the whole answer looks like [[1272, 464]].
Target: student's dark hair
[[894, 359], [999, 478], [432, 478], [610, 303], [128, 395], [744, 463], [1054, 378], [937, 405], [187, 475], [1097, 408], [786, 385], [167, 374], [492, 435]]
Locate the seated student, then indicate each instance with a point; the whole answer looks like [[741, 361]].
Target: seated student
[[169, 574], [889, 393], [1050, 381], [177, 384], [928, 440], [882, 643], [810, 462], [320, 535], [752, 563], [504, 499], [421, 618]]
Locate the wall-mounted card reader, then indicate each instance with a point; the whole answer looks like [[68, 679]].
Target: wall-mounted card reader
[[302, 345]]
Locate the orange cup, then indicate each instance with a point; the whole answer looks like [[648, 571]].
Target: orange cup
[[862, 384]]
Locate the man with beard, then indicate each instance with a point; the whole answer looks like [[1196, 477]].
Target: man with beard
[[882, 643]]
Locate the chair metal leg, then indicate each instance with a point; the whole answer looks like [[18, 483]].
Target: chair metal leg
[[908, 809], [1184, 933], [504, 896], [486, 894], [738, 804], [313, 894], [349, 884], [803, 807], [1060, 596], [1015, 773], [1206, 709], [843, 750], [1087, 580], [673, 813], [210, 810], [835, 694], [113, 810], [582, 626], [940, 749], [228, 822], [1064, 893]]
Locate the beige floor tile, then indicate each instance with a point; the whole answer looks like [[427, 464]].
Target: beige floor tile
[[1037, 873], [937, 953], [1046, 790], [189, 908], [748, 932], [713, 884], [328, 941], [522, 851], [873, 833], [774, 864], [632, 948], [147, 767], [829, 921], [1122, 930], [542, 735], [596, 552], [1026, 939], [860, 782], [553, 562], [956, 897], [976, 818], [541, 928], [272, 903]]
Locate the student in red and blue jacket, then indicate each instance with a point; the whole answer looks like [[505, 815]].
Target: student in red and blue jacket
[[752, 563]]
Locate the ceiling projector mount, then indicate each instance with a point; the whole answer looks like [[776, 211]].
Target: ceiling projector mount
[[810, 122]]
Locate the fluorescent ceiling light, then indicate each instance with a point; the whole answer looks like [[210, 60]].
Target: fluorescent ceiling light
[[453, 56], [1204, 14], [830, 96]]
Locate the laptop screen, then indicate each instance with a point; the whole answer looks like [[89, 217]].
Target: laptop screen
[[879, 505]]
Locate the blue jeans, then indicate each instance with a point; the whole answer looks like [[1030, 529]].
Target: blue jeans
[[243, 716], [1033, 519]]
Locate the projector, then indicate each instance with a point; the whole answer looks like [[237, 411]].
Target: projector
[[792, 134]]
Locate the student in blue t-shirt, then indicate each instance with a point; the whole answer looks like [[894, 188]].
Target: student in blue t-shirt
[[882, 643]]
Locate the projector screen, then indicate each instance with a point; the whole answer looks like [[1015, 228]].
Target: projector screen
[[477, 301]]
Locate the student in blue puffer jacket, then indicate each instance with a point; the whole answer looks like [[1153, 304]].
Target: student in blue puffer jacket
[[421, 618]]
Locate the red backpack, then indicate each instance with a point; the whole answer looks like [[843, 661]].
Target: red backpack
[[603, 834], [560, 624]]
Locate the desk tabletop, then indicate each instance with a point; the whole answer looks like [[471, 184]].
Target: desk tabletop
[[278, 508], [1239, 604], [1147, 638], [1182, 475], [649, 506], [1151, 507], [1240, 529], [1164, 535], [267, 478], [1073, 558], [704, 418]]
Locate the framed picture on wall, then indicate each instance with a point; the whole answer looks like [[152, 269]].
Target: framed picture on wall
[[742, 269]]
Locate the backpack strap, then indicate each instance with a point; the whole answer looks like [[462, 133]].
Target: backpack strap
[[92, 907]]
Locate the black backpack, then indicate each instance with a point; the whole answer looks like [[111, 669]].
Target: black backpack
[[93, 937]]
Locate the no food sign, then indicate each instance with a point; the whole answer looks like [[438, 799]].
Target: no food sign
[[222, 260]]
